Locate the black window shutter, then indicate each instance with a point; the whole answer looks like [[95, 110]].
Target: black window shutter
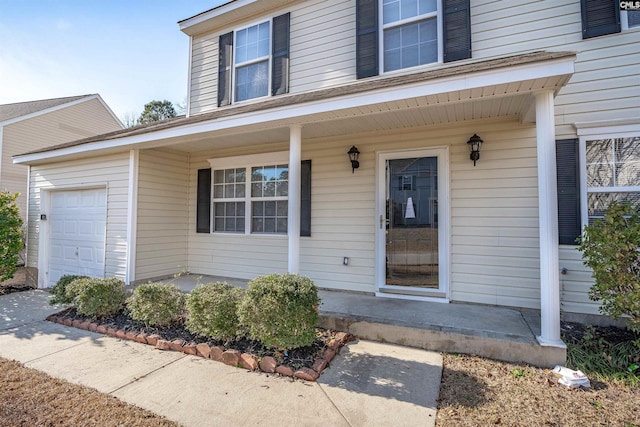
[[280, 52], [225, 58], [366, 38], [600, 17], [203, 207], [568, 171], [305, 199], [457, 30]]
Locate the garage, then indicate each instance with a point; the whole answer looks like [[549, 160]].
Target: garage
[[77, 224]]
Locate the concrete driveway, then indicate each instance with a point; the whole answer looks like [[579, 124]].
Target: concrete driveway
[[368, 384]]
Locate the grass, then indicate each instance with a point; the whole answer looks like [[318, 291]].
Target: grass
[[605, 359], [479, 392], [483, 392], [32, 398]]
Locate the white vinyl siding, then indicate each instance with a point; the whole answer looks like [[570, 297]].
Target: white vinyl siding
[[161, 248], [66, 124], [322, 51], [323, 45], [607, 68], [111, 172], [494, 206], [204, 73], [575, 284], [604, 86], [494, 224], [228, 254], [323, 54], [509, 27]]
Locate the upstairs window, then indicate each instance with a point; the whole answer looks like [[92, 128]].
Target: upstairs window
[[251, 61], [396, 34], [410, 33]]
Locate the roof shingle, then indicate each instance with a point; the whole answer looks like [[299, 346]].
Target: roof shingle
[[19, 109]]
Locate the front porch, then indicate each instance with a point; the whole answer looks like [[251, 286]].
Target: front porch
[[178, 198], [490, 331]]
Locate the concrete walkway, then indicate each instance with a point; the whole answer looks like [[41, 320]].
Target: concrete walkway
[[368, 384]]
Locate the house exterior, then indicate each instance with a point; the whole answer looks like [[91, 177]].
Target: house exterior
[[33, 125], [256, 179]]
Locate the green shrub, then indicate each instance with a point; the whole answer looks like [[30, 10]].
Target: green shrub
[[280, 310], [59, 290], [611, 248], [212, 311], [10, 235], [97, 297], [157, 304], [605, 358]]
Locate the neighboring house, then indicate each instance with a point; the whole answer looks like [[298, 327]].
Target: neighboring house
[[33, 125], [256, 178]]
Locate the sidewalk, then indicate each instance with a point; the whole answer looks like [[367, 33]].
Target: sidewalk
[[368, 384]]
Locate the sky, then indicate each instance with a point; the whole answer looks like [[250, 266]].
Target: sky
[[128, 51]]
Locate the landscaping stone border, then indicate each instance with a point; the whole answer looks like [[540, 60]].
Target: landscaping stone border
[[231, 357]]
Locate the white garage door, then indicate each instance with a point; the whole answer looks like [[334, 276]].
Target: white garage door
[[77, 233]]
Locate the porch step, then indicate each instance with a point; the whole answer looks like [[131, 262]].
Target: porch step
[[488, 331]]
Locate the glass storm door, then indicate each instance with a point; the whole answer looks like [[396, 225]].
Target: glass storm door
[[411, 231]]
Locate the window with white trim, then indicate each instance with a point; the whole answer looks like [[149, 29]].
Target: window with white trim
[[229, 191], [251, 61], [612, 173], [269, 199], [251, 198], [409, 33]]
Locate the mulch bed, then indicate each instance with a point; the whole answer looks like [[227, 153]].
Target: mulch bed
[[574, 332], [306, 363]]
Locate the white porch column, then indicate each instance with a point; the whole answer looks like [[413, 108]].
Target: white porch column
[[293, 214], [132, 216], [548, 218]]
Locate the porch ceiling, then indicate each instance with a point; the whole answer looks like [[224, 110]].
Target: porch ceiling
[[503, 87], [496, 101]]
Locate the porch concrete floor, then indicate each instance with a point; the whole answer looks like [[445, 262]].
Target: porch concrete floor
[[489, 331]]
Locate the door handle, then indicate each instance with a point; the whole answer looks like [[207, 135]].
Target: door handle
[[381, 221], [76, 251]]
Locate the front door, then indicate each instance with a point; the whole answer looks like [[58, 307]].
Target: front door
[[413, 223]]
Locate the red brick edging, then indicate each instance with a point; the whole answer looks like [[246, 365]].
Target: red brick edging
[[229, 357]]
